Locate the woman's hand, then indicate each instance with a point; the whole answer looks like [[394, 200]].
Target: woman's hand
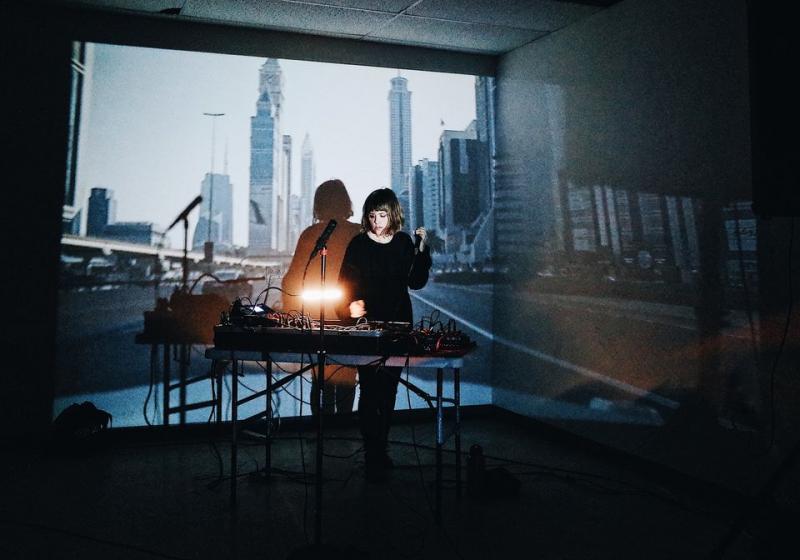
[[357, 309], [424, 235]]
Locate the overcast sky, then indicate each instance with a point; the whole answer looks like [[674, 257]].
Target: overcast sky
[[147, 138]]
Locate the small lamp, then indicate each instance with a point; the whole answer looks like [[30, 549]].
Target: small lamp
[[328, 294]]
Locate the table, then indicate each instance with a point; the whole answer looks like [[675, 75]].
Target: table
[[440, 363], [183, 344]]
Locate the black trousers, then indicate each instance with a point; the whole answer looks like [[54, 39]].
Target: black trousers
[[376, 404], [339, 392]]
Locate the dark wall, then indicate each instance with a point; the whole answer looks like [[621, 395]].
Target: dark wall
[[774, 45], [646, 306], [37, 79]]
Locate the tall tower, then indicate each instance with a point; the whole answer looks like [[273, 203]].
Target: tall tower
[[285, 191], [307, 183], [458, 183], [485, 128], [400, 133], [78, 127], [270, 79], [265, 161], [294, 220], [425, 197], [220, 225]]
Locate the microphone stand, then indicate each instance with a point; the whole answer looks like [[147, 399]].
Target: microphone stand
[[318, 548], [185, 286], [184, 216], [321, 355]]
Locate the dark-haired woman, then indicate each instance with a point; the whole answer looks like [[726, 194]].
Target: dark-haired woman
[[380, 265]]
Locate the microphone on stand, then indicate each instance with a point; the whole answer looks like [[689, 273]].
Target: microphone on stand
[[185, 213], [323, 238]]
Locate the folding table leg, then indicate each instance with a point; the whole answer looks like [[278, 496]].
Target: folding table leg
[[457, 403], [166, 376], [219, 373], [267, 433], [439, 444], [234, 417]]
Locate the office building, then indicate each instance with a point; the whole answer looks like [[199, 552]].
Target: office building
[[399, 133]]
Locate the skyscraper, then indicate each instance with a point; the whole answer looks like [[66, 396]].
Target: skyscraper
[[404, 198], [265, 161], [101, 211], [82, 64], [221, 224], [307, 183], [459, 177], [414, 218], [400, 133], [484, 121], [284, 193], [425, 206], [295, 227]]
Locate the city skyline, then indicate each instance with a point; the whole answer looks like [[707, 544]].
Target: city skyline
[[163, 158]]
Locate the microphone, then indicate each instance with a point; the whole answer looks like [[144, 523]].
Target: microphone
[[323, 238], [182, 215]]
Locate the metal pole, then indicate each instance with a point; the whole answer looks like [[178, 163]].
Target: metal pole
[[234, 429], [185, 255], [165, 381], [457, 399], [268, 434], [319, 397], [211, 175], [439, 444]]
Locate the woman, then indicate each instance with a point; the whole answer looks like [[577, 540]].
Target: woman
[[331, 202], [380, 265]]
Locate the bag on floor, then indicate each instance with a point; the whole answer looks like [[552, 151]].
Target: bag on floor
[[80, 425]]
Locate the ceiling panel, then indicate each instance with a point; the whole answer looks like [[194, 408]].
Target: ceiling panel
[[476, 26], [543, 15], [391, 6], [473, 37], [277, 14], [149, 6]]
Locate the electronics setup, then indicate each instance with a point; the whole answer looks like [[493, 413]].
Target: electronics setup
[[184, 318], [256, 327]]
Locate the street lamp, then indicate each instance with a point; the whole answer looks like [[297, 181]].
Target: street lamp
[[208, 246]]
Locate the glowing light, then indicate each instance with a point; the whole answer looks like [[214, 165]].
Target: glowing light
[[329, 294]]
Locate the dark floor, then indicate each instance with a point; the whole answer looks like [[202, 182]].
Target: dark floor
[[145, 499]]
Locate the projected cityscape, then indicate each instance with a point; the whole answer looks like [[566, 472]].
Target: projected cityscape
[[257, 191], [601, 269], [458, 167]]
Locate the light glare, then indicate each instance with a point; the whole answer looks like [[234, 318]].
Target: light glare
[[329, 294]]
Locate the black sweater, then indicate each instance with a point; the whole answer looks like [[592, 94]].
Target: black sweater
[[381, 274]]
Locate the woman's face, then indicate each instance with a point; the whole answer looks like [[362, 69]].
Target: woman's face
[[378, 221]]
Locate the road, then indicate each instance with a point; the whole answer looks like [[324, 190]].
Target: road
[[581, 347], [570, 347]]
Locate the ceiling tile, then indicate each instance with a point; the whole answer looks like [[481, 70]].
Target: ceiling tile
[[543, 15], [149, 6], [455, 35], [390, 6], [311, 18]]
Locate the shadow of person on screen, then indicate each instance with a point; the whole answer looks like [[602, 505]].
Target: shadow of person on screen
[[331, 202]]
